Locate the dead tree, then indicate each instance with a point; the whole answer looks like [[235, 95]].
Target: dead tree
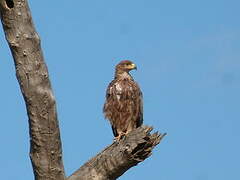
[[45, 142]]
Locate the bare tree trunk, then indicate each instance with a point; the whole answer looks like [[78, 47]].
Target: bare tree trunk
[[32, 75], [45, 142]]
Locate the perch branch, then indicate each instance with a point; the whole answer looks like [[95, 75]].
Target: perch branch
[[32, 75], [120, 156], [45, 142]]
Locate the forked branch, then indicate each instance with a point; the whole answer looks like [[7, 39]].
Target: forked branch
[[45, 142]]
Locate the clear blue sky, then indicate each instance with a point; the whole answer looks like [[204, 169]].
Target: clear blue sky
[[188, 57]]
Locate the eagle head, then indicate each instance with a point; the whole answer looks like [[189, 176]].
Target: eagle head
[[125, 66]]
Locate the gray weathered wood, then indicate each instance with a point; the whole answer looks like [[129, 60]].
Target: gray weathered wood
[[45, 142], [32, 75], [117, 158]]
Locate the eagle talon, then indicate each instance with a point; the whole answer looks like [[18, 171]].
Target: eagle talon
[[121, 136]]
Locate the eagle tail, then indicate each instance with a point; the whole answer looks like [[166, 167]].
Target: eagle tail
[[114, 130]]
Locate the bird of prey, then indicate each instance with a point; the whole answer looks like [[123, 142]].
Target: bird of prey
[[124, 105]]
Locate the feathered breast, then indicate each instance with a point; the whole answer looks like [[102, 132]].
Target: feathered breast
[[123, 103]]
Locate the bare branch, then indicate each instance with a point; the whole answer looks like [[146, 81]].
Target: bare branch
[[32, 75], [33, 78], [117, 158]]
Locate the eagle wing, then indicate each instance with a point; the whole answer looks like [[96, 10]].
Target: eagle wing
[[124, 105]]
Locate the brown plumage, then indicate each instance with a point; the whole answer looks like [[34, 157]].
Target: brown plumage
[[123, 105]]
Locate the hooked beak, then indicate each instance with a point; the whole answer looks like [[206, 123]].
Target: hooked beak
[[133, 66]]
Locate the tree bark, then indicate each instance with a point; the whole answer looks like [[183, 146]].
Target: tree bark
[[120, 156], [45, 142], [32, 75]]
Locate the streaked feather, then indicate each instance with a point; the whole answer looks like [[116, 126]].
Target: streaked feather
[[124, 105]]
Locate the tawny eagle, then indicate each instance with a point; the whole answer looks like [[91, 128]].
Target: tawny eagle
[[124, 105]]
